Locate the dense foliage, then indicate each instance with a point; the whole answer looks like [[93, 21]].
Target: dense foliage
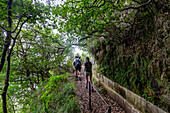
[[56, 97], [128, 38], [31, 52]]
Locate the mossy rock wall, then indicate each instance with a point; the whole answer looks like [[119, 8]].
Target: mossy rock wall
[[138, 59]]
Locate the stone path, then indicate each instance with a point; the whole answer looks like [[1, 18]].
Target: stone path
[[98, 106]]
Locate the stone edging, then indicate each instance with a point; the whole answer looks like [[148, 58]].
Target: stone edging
[[131, 102]]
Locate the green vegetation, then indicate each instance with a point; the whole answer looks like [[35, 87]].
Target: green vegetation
[[101, 89], [129, 39], [31, 54], [56, 96]]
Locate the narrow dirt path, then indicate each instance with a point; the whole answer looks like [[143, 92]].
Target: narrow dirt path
[[98, 106]]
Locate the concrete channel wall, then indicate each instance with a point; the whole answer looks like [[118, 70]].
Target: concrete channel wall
[[128, 100]]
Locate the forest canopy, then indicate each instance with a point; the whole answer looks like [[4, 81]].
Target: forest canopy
[[129, 40], [31, 54]]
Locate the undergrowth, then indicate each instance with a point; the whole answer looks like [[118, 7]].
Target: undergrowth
[[55, 96]]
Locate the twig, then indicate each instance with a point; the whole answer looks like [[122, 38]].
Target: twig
[[12, 103]]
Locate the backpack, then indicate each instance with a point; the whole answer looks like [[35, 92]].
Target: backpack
[[88, 66], [77, 62]]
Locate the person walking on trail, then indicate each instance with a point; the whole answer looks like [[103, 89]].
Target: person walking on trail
[[77, 66], [88, 71], [81, 63]]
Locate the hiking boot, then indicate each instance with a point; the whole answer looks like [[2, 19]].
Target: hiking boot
[[86, 87], [76, 76]]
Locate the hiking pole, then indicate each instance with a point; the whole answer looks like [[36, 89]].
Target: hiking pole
[[89, 95], [109, 111]]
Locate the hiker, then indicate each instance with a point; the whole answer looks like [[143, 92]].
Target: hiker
[[88, 71], [81, 63], [77, 66]]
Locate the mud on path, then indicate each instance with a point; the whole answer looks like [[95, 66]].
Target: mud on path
[[98, 106]]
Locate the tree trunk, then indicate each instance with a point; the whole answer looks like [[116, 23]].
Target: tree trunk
[[8, 39], [4, 102], [4, 91], [6, 47]]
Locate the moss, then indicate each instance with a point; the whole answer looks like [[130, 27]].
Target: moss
[[141, 58]]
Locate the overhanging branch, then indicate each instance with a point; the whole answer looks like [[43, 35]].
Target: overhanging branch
[[130, 7], [89, 35], [3, 28], [17, 24], [79, 44], [83, 38], [45, 35], [21, 27]]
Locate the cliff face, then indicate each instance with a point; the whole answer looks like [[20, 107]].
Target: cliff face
[[137, 57]]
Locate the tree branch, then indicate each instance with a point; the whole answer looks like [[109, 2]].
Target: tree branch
[[130, 7], [79, 44], [3, 28], [136, 1], [17, 24], [83, 39], [46, 36], [86, 37], [12, 103], [21, 27], [62, 51], [22, 4]]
